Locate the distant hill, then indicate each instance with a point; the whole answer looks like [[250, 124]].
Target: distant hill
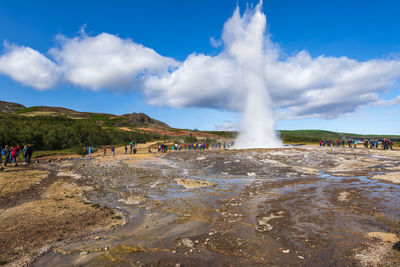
[[137, 122], [102, 119], [10, 107]]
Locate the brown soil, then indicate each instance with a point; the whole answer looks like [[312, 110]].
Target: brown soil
[[38, 209]]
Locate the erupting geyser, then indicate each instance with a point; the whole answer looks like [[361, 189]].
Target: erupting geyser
[[245, 42], [257, 126]]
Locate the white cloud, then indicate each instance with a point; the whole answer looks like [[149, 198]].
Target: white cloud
[[200, 81], [107, 61], [215, 42], [29, 67], [388, 103], [297, 86], [226, 126], [327, 86]]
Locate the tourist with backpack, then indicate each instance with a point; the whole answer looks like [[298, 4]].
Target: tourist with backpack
[[14, 154]]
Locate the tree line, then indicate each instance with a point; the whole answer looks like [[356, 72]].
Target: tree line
[[56, 132]]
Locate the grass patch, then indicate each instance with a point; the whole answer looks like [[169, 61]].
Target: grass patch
[[99, 117], [26, 110], [313, 136], [68, 151]]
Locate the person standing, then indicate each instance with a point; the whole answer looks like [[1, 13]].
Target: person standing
[[25, 154], [14, 154], [89, 151], [29, 152], [6, 155], [1, 154], [126, 150], [105, 151]]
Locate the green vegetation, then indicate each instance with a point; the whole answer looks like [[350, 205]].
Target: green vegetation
[[316, 135], [26, 110], [223, 134], [306, 136], [99, 116], [55, 133], [42, 153], [190, 139]]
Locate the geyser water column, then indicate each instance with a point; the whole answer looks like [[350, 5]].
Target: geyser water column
[[257, 125], [244, 38]]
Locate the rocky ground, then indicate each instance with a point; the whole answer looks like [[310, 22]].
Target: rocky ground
[[306, 206]]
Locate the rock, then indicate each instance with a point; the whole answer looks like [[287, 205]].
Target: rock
[[49, 160], [286, 251], [300, 257], [173, 252], [97, 237], [385, 237], [84, 253], [105, 248], [178, 265], [1, 169], [14, 164], [188, 243]]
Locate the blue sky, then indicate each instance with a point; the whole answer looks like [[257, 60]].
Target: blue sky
[[360, 30]]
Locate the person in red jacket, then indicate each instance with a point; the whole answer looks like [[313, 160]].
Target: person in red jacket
[[14, 154]]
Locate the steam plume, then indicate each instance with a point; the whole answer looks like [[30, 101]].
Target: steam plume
[[244, 38]]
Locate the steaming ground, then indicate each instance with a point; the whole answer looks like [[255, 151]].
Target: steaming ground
[[306, 206]]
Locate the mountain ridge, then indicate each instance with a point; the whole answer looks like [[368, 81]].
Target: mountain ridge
[[103, 119], [10, 107]]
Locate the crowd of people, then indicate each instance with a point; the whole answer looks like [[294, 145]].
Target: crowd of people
[[193, 146], [386, 143], [11, 153], [162, 147]]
